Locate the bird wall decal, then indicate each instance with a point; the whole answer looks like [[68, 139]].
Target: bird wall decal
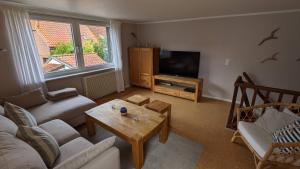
[[272, 58], [272, 36]]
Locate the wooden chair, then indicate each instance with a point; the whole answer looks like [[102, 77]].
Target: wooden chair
[[272, 155]]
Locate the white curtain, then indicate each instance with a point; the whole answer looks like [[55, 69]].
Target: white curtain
[[23, 48], [116, 51]]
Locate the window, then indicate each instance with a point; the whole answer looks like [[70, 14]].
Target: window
[[69, 46]]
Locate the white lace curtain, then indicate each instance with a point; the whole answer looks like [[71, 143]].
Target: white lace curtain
[[23, 48], [116, 51]]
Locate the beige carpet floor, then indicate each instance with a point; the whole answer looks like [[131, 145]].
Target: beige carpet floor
[[203, 122]]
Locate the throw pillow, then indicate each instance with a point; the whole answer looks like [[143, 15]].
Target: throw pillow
[[42, 142], [62, 94], [288, 134], [78, 160], [19, 115], [273, 120], [29, 99]]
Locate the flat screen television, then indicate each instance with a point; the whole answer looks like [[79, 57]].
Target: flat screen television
[[179, 63]]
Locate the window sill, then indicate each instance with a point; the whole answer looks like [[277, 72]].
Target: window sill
[[85, 73]]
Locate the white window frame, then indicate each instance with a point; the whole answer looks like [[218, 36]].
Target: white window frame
[[74, 23]]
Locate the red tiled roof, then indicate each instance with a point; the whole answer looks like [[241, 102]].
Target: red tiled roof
[[49, 67], [90, 59], [55, 32]]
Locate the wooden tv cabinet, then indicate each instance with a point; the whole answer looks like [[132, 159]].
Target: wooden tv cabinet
[[178, 86]]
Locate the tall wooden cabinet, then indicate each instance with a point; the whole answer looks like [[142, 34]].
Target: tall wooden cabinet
[[141, 63]]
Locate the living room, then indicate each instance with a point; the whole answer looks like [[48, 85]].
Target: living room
[[160, 84]]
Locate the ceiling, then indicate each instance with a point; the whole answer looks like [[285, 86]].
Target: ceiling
[[160, 10]]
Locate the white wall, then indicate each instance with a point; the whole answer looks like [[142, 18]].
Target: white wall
[[234, 38]]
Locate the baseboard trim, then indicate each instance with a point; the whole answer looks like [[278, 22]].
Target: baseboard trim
[[220, 98]]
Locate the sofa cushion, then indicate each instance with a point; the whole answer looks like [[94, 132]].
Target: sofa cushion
[[257, 137], [66, 110], [71, 148], [60, 130], [8, 126], [62, 94], [42, 142], [16, 154], [29, 99], [80, 159], [288, 111], [273, 120], [19, 115]]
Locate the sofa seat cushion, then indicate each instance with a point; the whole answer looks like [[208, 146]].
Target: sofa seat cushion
[[60, 130], [66, 110], [258, 138], [71, 148], [16, 154], [8, 126]]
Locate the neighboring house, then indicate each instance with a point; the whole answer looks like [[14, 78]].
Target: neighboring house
[[49, 34]]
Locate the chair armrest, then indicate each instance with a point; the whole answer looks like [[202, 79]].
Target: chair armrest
[[62, 94], [247, 113]]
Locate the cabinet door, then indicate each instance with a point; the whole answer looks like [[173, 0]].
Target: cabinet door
[[146, 61], [134, 59]]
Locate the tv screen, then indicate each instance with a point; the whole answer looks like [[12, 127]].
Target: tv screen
[[179, 63]]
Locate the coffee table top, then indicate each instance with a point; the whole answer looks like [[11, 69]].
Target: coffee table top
[[139, 123]]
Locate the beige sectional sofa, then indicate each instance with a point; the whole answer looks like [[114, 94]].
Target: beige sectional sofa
[[75, 151]]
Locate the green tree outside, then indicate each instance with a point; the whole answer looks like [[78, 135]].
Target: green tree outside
[[89, 46]]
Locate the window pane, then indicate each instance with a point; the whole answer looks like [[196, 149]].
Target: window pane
[[94, 45], [55, 45]]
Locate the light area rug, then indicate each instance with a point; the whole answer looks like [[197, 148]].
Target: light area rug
[[177, 153]]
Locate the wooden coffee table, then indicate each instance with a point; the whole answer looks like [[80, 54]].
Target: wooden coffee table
[[138, 126]]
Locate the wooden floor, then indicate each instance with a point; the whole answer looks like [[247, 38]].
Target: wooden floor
[[203, 122]]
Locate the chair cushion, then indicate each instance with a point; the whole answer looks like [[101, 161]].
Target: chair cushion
[[66, 110], [19, 115], [288, 134], [62, 94], [16, 154], [42, 142], [288, 111], [273, 120], [80, 159], [8, 126], [61, 131], [258, 138], [71, 148], [29, 99]]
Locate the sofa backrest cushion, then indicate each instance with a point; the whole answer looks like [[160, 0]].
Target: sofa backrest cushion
[[20, 116], [16, 154], [273, 120], [42, 142], [29, 99], [8, 126]]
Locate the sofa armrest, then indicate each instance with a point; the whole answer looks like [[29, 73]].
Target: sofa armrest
[[83, 158], [110, 159], [62, 94]]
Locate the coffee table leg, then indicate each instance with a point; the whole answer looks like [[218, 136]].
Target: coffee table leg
[[138, 154], [163, 134], [90, 127]]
